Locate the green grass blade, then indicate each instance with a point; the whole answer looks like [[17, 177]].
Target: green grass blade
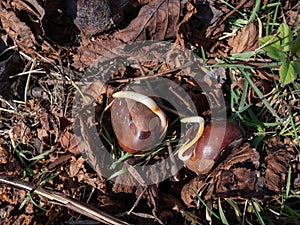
[[258, 92], [255, 11], [221, 212], [41, 156], [78, 89], [46, 180], [35, 204], [122, 171], [255, 206], [275, 15], [235, 206], [206, 206], [296, 130], [244, 95], [203, 56], [26, 199]]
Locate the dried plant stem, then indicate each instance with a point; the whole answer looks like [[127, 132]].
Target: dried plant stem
[[60, 199]]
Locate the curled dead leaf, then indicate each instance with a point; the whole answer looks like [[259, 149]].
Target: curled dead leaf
[[245, 40], [156, 21], [75, 166], [16, 29], [198, 24], [277, 166], [31, 6], [69, 142], [22, 35]]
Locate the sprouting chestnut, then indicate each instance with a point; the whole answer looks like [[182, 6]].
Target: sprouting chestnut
[[208, 148], [138, 123]]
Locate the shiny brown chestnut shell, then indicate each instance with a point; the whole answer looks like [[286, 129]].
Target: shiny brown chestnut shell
[[136, 127], [207, 152]]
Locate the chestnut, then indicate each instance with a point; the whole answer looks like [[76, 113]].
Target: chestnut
[[138, 123], [204, 153]]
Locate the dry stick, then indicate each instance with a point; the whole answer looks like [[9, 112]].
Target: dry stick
[[137, 201], [60, 199]]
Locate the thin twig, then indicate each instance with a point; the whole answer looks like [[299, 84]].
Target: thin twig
[[137, 200], [60, 199]]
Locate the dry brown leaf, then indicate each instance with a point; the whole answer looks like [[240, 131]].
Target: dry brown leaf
[[23, 219], [248, 4], [293, 17], [245, 40], [191, 10], [241, 176], [156, 21], [238, 182], [3, 156], [89, 53], [197, 25], [69, 142], [23, 36], [16, 29], [277, 167], [75, 166], [30, 6]]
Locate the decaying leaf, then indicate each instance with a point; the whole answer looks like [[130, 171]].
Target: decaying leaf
[[23, 36], [191, 10], [68, 141], [31, 6], [245, 40], [248, 3], [17, 29], [23, 219], [3, 156], [75, 166], [277, 166], [88, 54], [156, 21], [197, 24], [238, 182]]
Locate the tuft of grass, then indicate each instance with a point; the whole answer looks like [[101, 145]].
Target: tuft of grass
[[274, 114]]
